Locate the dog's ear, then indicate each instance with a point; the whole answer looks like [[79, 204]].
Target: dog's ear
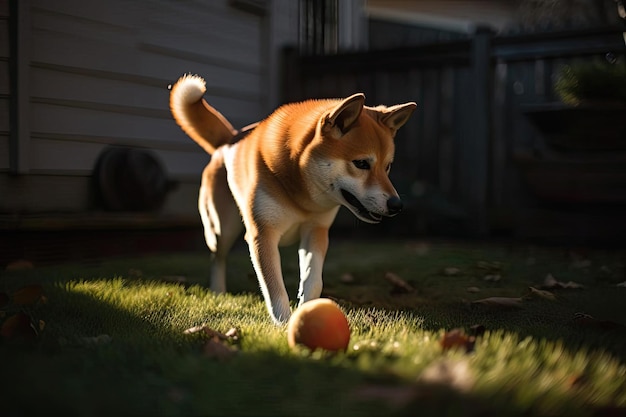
[[395, 117], [345, 114]]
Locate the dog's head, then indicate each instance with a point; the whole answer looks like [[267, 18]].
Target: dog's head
[[354, 156]]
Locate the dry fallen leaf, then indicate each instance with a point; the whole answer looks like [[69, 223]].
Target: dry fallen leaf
[[216, 349], [195, 329], [551, 283], [492, 277], [231, 335], [204, 328], [587, 321], [18, 329], [451, 271], [347, 278], [451, 373], [501, 302], [399, 285], [456, 338], [535, 293], [28, 295], [19, 265], [472, 289]]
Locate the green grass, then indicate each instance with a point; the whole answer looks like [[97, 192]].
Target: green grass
[[534, 360]]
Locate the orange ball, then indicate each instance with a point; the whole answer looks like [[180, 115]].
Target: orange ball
[[319, 324]]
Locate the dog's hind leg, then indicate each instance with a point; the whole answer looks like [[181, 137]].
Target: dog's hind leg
[[220, 218]]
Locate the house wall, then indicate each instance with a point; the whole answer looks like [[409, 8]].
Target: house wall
[[98, 75]]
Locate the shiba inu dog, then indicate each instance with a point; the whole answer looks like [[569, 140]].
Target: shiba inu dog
[[286, 178]]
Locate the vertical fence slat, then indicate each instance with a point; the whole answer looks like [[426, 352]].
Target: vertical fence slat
[[499, 122], [430, 133], [479, 158], [446, 132]]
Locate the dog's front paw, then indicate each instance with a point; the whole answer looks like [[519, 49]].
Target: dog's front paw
[[280, 313]]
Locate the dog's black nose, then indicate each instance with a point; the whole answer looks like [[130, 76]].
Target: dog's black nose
[[394, 204]]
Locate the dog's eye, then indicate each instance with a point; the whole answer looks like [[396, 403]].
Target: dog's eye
[[361, 164]]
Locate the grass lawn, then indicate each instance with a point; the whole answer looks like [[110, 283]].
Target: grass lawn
[[111, 336]]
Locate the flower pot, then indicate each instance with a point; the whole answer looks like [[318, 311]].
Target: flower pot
[[590, 126], [588, 181]]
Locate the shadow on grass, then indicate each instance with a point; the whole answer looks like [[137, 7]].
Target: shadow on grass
[[572, 320], [591, 318], [150, 368], [95, 358]]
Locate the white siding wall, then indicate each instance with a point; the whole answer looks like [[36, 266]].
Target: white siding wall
[[99, 72]]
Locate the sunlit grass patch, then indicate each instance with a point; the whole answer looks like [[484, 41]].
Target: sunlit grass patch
[[112, 339]]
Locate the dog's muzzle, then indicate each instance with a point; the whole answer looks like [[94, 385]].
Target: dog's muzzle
[[394, 206]]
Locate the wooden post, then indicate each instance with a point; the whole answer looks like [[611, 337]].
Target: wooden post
[[19, 70], [290, 88], [479, 158]]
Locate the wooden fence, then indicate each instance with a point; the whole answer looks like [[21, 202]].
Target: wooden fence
[[456, 159]]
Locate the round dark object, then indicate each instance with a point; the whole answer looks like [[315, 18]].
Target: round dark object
[[129, 179]]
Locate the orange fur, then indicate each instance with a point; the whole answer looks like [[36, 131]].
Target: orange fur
[[204, 124], [287, 178]]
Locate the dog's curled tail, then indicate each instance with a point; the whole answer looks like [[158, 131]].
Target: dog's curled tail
[[196, 117]]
